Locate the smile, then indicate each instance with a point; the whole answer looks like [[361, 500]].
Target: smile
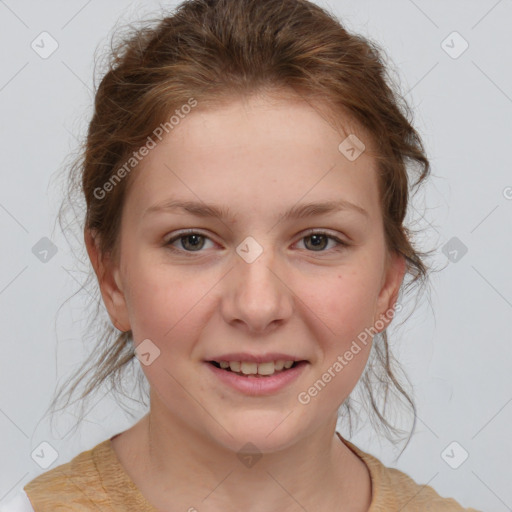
[[255, 383], [251, 368]]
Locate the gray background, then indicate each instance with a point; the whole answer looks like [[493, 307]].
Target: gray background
[[456, 352]]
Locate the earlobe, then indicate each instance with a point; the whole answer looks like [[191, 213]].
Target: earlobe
[[109, 281], [390, 290], [119, 316]]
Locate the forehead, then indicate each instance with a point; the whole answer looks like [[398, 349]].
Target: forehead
[[257, 153]]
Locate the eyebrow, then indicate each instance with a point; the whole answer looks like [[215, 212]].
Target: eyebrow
[[299, 211]]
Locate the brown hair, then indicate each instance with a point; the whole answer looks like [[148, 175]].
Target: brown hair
[[211, 51]]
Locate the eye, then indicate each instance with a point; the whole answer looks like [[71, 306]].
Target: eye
[[190, 241], [193, 241], [319, 240]]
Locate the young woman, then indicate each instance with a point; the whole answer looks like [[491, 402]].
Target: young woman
[[246, 175]]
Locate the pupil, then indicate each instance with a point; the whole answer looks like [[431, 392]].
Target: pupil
[[317, 240], [194, 244]]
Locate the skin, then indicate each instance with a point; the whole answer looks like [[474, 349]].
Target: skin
[[258, 156]]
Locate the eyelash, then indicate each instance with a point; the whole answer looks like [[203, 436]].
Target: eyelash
[[341, 245]]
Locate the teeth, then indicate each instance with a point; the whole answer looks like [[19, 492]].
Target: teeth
[[235, 366], [279, 365], [250, 368], [264, 368]]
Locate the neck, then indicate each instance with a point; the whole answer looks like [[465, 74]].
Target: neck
[[186, 468]]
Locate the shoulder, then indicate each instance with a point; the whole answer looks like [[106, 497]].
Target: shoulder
[[20, 503], [411, 496], [76, 483], [393, 489]]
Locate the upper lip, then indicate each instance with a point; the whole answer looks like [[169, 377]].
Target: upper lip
[[256, 358]]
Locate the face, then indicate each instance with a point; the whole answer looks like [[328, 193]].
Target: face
[[255, 280]]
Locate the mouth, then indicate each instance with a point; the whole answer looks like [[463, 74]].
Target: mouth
[[257, 370], [257, 379]]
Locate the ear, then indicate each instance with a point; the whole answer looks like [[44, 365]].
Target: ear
[[108, 275], [390, 288]]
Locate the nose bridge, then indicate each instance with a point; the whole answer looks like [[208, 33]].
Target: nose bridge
[[258, 296], [259, 276]]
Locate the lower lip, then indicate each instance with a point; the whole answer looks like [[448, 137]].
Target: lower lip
[[257, 386]]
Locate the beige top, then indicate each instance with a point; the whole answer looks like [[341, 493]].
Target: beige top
[[96, 480]]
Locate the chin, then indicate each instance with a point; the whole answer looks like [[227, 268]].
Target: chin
[[261, 435]]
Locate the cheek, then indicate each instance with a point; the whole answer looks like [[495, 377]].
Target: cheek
[[163, 308], [160, 301], [345, 303]]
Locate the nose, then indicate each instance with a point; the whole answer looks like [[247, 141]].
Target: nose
[[256, 297]]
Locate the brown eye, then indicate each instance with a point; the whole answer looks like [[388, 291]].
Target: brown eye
[[187, 242], [192, 242], [318, 241]]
